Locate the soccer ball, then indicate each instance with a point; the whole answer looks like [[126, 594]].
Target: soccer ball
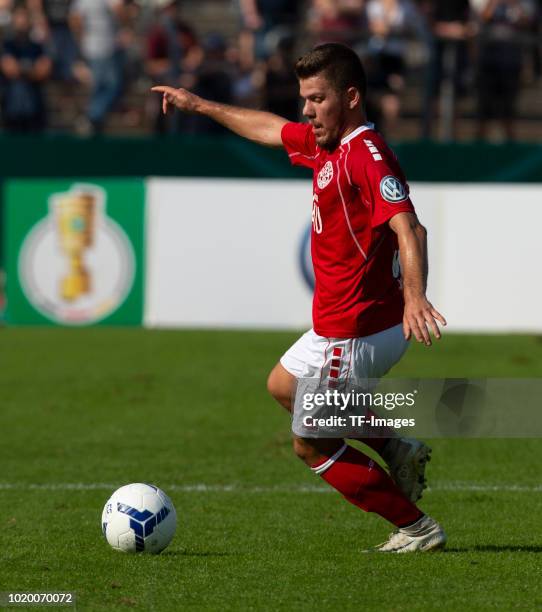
[[139, 518]]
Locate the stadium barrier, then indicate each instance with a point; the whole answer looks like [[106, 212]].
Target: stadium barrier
[[231, 157], [235, 253]]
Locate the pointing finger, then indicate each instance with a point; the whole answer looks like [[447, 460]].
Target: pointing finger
[[162, 89]]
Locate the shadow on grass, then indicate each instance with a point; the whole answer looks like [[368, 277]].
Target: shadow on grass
[[496, 548]]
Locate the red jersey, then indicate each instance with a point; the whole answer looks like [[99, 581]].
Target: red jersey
[[357, 188]]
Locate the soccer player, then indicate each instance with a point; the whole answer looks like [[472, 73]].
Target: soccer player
[[370, 264]]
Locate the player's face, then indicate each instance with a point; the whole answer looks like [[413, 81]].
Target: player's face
[[326, 110]]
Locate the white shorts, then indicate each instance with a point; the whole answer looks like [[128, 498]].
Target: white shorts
[[345, 359]]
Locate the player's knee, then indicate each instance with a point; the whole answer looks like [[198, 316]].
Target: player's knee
[[272, 385], [279, 389]]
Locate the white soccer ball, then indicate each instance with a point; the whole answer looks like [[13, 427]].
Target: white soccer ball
[[139, 518]]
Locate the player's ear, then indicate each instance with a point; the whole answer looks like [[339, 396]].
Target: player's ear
[[353, 97]]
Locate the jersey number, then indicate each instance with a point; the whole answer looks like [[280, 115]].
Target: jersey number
[[316, 216]]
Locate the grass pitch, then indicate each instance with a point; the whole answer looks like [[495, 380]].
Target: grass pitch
[[85, 411]]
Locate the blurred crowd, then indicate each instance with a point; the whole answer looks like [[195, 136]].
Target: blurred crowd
[[94, 52]]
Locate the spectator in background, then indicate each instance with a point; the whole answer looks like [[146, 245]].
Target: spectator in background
[[96, 25], [25, 67], [249, 74], [39, 30], [268, 21], [503, 27], [164, 44], [452, 28], [164, 53], [536, 31], [281, 88], [6, 6], [337, 21], [62, 44], [213, 79], [390, 22]]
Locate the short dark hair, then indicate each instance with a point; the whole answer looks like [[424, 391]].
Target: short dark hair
[[340, 65]]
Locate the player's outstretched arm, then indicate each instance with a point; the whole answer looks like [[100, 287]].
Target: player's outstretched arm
[[258, 126], [419, 316]]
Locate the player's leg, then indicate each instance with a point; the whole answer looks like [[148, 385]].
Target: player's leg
[[349, 473], [281, 385], [313, 356], [372, 357], [358, 478], [365, 484], [304, 359]]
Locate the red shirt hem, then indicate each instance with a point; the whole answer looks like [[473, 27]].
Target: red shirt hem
[[360, 332]]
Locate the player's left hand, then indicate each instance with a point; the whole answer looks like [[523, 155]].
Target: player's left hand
[[419, 318]]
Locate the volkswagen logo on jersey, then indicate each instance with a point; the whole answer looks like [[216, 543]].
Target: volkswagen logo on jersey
[[392, 190], [325, 175], [305, 259]]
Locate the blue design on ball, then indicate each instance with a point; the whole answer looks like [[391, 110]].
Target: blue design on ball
[[142, 522]]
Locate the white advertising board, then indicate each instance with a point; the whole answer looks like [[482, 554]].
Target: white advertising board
[[230, 253], [484, 246], [224, 253]]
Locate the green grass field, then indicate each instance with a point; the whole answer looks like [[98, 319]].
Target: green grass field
[[85, 411]]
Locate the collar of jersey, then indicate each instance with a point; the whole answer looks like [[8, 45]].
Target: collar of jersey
[[357, 131]]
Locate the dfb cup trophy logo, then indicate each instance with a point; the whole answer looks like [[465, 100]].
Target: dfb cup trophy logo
[[76, 212], [77, 265]]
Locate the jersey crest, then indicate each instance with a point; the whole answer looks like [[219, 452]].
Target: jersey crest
[[325, 175]]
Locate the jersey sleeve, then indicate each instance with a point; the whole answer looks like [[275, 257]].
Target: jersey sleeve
[[298, 140], [385, 190]]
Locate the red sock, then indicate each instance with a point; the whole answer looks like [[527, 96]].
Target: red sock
[[365, 484]]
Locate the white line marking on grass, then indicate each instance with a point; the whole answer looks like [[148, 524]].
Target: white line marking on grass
[[484, 488], [461, 487]]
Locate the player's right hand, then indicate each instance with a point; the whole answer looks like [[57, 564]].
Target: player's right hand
[[419, 317], [180, 98]]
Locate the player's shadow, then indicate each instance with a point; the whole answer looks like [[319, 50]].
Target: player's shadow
[[496, 548]]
